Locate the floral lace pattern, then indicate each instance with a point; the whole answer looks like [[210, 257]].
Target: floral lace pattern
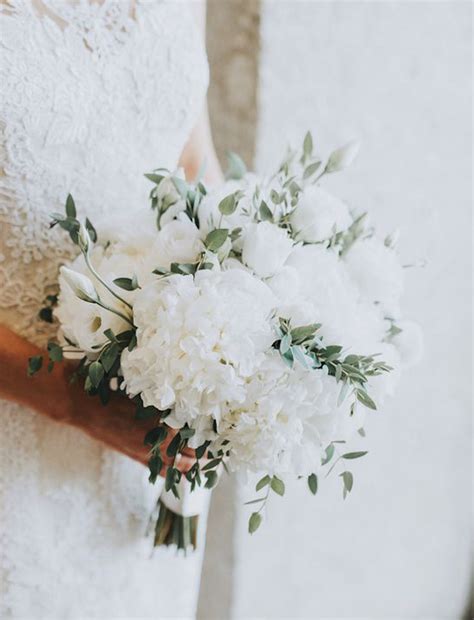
[[93, 95]]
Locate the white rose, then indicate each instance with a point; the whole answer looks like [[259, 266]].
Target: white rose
[[177, 242], [266, 248], [409, 343], [318, 215]]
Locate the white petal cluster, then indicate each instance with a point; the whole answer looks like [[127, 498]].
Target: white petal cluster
[[286, 421], [199, 342]]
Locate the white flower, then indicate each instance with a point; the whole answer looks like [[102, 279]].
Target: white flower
[[79, 284], [377, 272], [177, 242], [286, 421], [346, 320], [266, 248], [199, 340], [409, 342], [84, 323], [318, 215]]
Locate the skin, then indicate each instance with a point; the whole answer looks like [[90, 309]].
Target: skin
[[54, 396]]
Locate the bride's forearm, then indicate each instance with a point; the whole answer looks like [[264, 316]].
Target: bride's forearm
[[53, 395], [45, 392]]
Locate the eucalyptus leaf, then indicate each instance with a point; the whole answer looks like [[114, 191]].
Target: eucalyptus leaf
[[96, 373], [70, 207], [277, 485], [216, 238], [228, 205], [353, 455], [254, 522], [34, 364], [263, 482], [313, 483]]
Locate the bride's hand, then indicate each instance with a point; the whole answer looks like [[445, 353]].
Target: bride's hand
[[115, 425]]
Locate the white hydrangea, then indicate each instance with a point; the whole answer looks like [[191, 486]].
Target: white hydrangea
[[199, 340], [286, 421]]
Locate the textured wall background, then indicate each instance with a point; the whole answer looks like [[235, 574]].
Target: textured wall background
[[397, 75]]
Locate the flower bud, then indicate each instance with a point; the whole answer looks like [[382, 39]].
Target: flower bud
[[83, 238], [80, 284]]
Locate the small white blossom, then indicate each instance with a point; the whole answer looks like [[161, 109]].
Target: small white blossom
[[266, 248], [319, 215]]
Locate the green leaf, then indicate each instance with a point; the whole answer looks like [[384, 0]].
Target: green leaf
[[236, 167], [173, 447], [348, 480], [254, 522], [211, 479], [181, 186], [155, 436], [265, 213], [34, 364], [365, 399], [285, 344], [353, 455], [228, 205], [96, 373], [313, 483], [212, 464], [55, 352], [127, 284], [186, 432], [154, 464], [70, 207], [311, 169], [329, 454], [108, 356], [91, 230], [263, 482], [300, 334], [170, 478], [201, 450], [277, 485], [146, 413], [154, 178], [361, 432], [216, 238], [308, 144]]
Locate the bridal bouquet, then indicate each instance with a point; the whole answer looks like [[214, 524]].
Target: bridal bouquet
[[256, 323]]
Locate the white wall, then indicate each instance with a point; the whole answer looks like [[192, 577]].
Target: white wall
[[397, 75]]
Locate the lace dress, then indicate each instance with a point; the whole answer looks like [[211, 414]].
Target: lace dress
[[93, 95]]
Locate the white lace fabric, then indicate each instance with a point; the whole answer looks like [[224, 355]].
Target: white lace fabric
[[93, 95]]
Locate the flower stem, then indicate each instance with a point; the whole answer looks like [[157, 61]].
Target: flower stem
[[104, 283]]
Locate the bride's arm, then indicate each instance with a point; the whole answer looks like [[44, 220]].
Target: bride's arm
[[53, 395]]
